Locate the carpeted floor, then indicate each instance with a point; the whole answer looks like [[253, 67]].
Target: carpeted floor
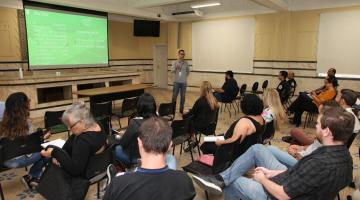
[[14, 189]]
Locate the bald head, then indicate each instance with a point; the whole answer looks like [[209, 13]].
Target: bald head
[[291, 74]]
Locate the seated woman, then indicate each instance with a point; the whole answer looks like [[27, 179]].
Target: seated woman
[[204, 111], [128, 151], [311, 102], [244, 132], [273, 114], [87, 139], [16, 123]]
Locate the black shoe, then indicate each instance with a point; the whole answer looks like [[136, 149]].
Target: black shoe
[[111, 172], [34, 183], [287, 139], [191, 146], [210, 184], [26, 181]]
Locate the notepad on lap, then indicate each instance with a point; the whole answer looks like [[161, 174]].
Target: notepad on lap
[[58, 142], [213, 138]]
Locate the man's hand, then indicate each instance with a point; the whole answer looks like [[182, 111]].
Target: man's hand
[[259, 176], [268, 173], [47, 153]]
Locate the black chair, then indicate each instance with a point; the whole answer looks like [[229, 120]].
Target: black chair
[[18, 147], [240, 96], [101, 109], [254, 88], [228, 104], [128, 108], [104, 122], [167, 111], [97, 166], [309, 118], [223, 158], [211, 128], [264, 86], [52, 121], [181, 134]]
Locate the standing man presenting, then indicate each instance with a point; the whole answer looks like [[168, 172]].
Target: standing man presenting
[[181, 70]]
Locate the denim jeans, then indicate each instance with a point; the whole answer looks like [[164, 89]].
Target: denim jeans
[[122, 156], [282, 156], [218, 96], [179, 87], [22, 161], [240, 187]]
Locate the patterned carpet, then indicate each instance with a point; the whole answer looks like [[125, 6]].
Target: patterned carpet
[[14, 189]]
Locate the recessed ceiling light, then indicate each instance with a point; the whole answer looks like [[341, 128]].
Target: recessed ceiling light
[[203, 5]]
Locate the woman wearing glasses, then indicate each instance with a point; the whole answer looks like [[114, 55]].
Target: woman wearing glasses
[[87, 140]]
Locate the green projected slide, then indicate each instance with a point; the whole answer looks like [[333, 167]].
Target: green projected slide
[[63, 39]]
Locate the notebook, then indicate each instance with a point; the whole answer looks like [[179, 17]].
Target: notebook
[[58, 142], [213, 138]]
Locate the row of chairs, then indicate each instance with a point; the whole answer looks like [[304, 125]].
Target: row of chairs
[[235, 103]]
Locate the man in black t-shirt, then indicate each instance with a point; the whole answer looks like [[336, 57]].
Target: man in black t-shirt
[[153, 180], [229, 90], [283, 88]]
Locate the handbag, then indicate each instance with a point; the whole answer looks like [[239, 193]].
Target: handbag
[[56, 184]]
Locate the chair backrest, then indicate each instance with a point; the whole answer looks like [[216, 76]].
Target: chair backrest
[[265, 84], [180, 127], [223, 157], [20, 146], [242, 89], [53, 118], [351, 140], [129, 106], [255, 87], [98, 164], [101, 109], [104, 122], [167, 109]]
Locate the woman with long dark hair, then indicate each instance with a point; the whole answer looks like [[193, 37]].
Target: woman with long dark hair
[[16, 123]]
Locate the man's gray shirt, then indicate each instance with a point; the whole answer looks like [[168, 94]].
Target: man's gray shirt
[[182, 73]]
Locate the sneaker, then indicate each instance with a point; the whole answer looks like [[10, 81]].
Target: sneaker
[[111, 172], [26, 181], [210, 184], [34, 182], [287, 139]]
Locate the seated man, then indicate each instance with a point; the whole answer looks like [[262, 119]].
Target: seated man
[[319, 175], [153, 180], [229, 90], [292, 82], [283, 88]]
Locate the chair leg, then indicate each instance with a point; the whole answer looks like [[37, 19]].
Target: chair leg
[[173, 150], [338, 196], [1, 192], [206, 195], [192, 157], [226, 106], [232, 104], [181, 147], [98, 190]]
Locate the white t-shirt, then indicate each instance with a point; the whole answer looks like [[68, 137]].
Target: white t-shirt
[[357, 123]]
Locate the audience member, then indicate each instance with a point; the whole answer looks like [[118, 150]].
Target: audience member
[[16, 123], [181, 70], [87, 139], [310, 102], [346, 100], [128, 151], [283, 88], [204, 111], [318, 176], [243, 132], [153, 180], [297, 152], [292, 82], [273, 114], [2, 109], [229, 90]]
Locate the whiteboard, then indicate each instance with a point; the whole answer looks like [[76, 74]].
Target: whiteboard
[[223, 44], [339, 43]]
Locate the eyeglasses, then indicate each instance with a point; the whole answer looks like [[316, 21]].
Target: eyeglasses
[[72, 126]]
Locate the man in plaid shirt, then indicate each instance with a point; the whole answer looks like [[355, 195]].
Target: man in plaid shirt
[[319, 175]]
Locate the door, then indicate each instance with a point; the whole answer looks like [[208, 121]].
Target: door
[[160, 66]]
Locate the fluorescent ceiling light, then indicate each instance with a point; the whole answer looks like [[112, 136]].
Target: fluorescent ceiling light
[[202, 5]]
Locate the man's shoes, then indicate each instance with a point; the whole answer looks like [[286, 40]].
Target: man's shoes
[[111, 172], [287, 139], [210, 184]]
